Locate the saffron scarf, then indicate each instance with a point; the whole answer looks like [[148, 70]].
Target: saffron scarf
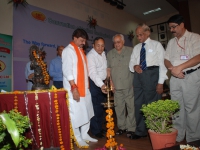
[[80, 69]]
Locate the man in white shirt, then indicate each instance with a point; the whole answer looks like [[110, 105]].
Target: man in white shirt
[[149, 74], [97, 65], [75, 81], [182, 58]]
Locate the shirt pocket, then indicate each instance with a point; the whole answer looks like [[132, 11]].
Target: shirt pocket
[[151, 55]]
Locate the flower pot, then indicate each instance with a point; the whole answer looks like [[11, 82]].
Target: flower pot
[[160, 141]]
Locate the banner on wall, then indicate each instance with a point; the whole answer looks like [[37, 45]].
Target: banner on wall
[[5, 62], [47, 30]]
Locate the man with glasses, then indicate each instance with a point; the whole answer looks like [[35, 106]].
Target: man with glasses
[[182, 58]]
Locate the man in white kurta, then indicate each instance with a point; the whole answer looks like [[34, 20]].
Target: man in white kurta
[[81, 109]]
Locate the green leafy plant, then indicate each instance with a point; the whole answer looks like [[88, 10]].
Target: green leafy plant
[[158, 115], [12, 129]]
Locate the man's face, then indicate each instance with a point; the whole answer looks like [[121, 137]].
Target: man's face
[[80, 42], [142, 35], [118, 43], [59, 51], [99, 46], [176, 29]]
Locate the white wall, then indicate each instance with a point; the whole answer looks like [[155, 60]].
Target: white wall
[[107, 16]]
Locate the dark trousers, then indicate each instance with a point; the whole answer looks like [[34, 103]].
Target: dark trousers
[[145, 92], [58, 84], [97, 98]]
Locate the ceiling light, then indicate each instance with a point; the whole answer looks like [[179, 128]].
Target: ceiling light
[[152, 11]]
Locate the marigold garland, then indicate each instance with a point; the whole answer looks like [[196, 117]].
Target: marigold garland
[[58, 120], [16, 101], [110, 129], [43, 67]]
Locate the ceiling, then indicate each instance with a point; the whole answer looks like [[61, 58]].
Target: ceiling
[[137, 7]]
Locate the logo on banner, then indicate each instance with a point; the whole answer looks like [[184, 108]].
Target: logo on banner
[[4, 50], [2, 66], [38, 15]]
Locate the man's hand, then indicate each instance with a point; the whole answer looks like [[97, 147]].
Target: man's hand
[[177, 72], [104, 89], [137, 69], [30, 77], [159, 88], [76, 95]]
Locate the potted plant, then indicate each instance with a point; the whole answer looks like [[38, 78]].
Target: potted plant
[[158, 116], [12, 129]]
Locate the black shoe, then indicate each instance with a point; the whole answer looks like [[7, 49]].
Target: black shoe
[[135, 136], [129, 133], [99, 135], [120, 132]]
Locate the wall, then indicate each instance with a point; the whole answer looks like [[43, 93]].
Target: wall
[[194, 8], [107, 16]]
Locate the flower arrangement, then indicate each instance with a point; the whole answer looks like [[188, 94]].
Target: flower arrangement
[[58, 120], [17, 2], [42, 65], [92, 22], [158, 115], [131, 35]]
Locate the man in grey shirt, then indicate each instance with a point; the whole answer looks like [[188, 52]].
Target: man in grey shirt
[[122, 83]]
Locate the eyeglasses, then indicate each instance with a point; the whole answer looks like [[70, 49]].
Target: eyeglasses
[[173, 27]]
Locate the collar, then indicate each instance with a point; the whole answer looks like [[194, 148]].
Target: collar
[[121, 51], [147, 40], [95, 53], [185, 35]]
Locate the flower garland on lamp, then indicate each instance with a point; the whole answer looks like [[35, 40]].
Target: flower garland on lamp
[[58, 120], [131, 35], [92, 22], [17, 2], [111, 143]]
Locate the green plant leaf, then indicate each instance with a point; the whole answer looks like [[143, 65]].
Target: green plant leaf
[[11, 127]]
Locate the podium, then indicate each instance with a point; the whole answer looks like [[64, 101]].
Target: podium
[[53, 115]]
